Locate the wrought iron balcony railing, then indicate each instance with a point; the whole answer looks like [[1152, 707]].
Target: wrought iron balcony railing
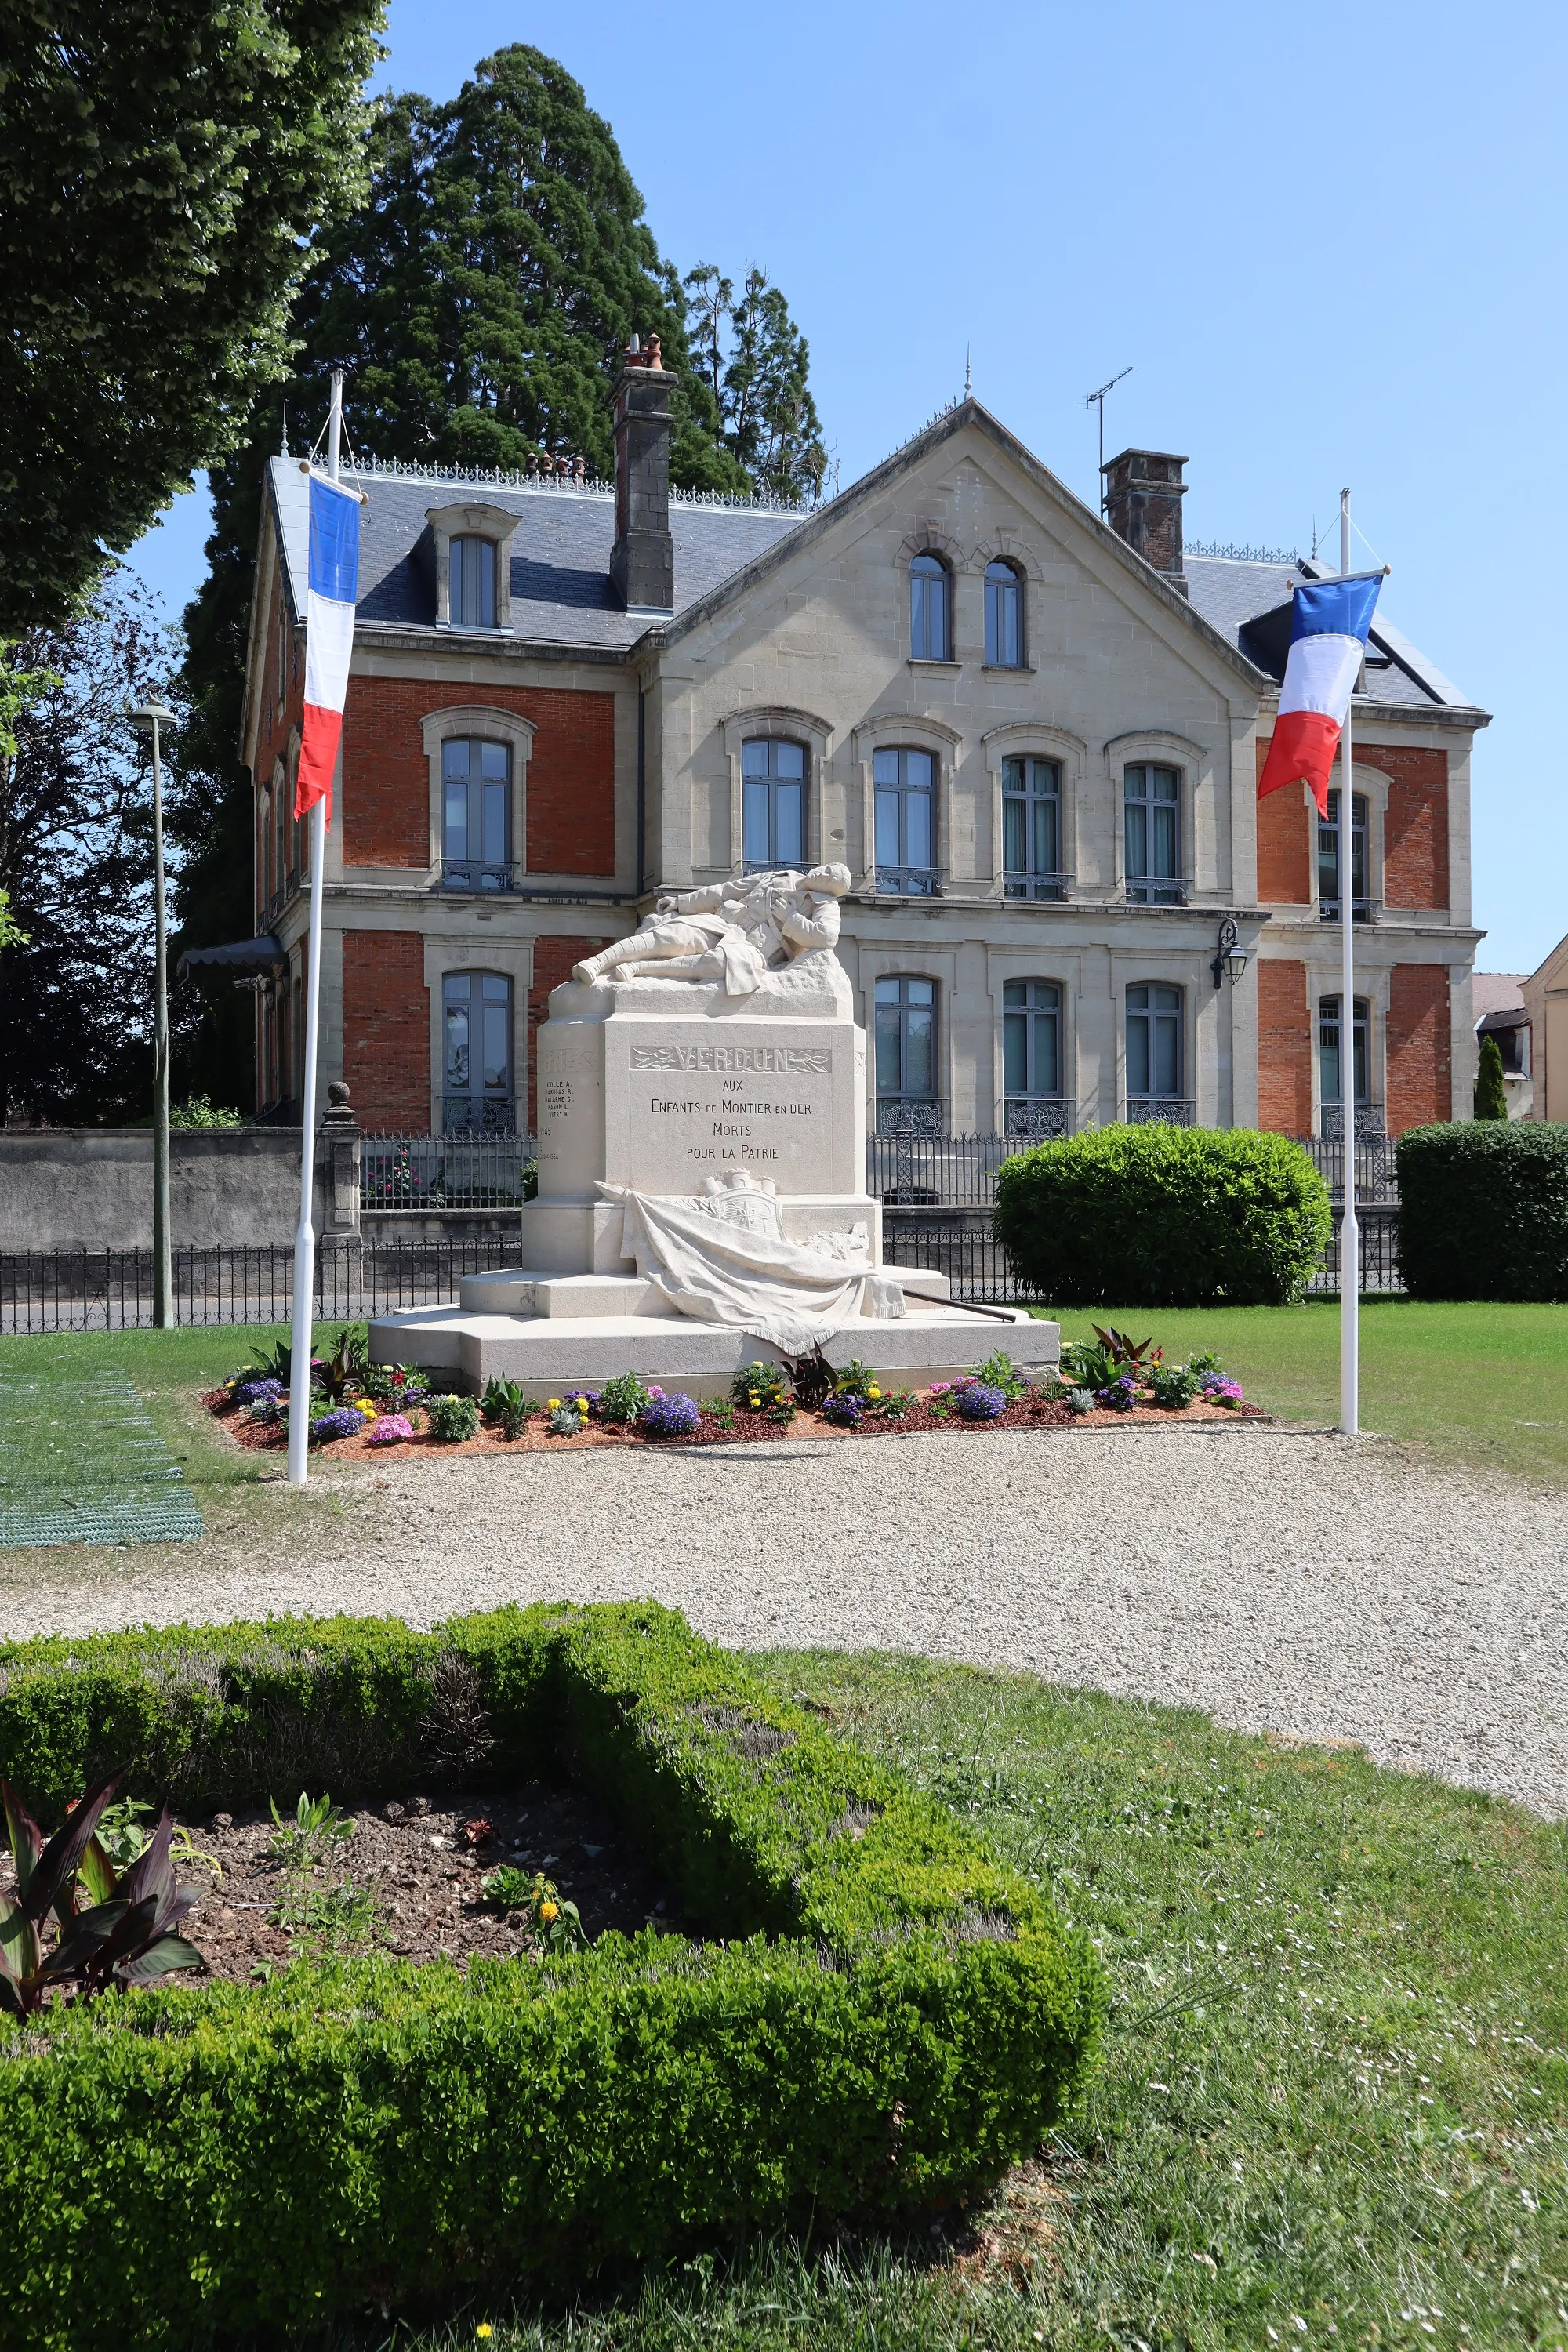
[[1156, 893], [1036, 885], [908, 881], [911, 1115], [476, 877], [1160, 1110], [1362, 910], [1035, 1118]]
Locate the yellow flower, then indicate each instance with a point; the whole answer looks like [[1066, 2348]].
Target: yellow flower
[[548, 1911], [755, 1400], [583, 1407], [484, 2330], [552, 1404], [874, 1392]]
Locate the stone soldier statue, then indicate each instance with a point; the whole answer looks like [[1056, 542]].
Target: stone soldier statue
[[734, 931]]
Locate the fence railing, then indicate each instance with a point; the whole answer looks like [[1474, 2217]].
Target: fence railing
[[470, 1169], [112, 1291]]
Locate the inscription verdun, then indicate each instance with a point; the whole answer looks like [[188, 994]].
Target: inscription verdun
[[752, 1058]]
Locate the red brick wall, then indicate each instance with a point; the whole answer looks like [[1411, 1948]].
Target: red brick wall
[[1284, 1048], [570, 820], [1416, 830], [1419, 1046], [1284, 846], [386, 1030]]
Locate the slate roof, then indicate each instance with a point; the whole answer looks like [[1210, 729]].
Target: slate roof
[[1498, 996], [1241, 598]]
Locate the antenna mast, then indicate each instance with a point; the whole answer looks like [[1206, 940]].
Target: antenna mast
[[1091, 400]]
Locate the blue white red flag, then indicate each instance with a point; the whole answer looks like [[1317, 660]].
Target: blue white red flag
[[329, 636], [1327, 638]]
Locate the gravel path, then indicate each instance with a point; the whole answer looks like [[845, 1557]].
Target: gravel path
[[1279, 1581]]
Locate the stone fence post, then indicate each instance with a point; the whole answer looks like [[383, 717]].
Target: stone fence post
[[338, 1164]]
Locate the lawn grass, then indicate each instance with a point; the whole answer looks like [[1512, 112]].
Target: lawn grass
[[1333, 2108], [1482, 1383]]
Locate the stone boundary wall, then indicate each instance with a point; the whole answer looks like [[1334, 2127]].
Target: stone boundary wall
[[92, 1188]]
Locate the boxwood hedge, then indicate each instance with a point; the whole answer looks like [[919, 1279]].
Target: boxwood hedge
[[1483, 1209], [1164, 1216], [881, 2015]]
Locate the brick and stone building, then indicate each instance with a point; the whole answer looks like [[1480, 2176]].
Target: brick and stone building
[[1034, 737]]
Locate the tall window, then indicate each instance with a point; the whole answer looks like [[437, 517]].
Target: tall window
[[476, 815], [1329, 1050], [1153, 836], [1155, 1052], [477, 1089], [1329, 860], [472, 583], [928, 609], [1004, 617], [773, 801], [905, 784], [1032, 828], [1031, 1056], [907, 1100]]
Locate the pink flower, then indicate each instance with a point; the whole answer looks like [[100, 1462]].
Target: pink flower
[[390, 1430]]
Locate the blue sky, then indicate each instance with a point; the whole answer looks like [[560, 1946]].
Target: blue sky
[[1328, 242]]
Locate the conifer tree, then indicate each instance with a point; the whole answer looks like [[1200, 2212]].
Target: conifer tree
[[1491, 1093]]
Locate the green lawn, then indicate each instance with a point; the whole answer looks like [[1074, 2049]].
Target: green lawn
[[1333, 2104], [1482, 1383]]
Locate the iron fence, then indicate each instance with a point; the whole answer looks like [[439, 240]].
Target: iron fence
[[1377, 1181], [463, 1170], [961, 1243], [956, 1171], [112, 1291]]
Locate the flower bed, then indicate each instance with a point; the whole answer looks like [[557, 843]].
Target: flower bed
[[1102, 1387], [881, 2016]]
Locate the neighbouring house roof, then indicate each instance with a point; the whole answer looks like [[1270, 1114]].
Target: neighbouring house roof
[[1496, 999]]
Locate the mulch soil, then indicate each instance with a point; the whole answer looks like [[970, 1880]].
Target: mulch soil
[[424, 1862], [743, 1428]]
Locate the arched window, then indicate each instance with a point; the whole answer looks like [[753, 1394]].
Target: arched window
[[772, 805], [1032, 829], [475, 814], [477, 1077], [928, 609], [907, 1098], [1330, 1063], [1004, 617], [1153, 836], [472, 587], [1155, 1054], [1329, 861], [1032, 1058], [905, 784]]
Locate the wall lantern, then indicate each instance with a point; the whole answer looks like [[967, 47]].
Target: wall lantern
[[1230, 962]]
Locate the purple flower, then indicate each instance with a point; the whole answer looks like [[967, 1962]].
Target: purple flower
[[342, 1422], [257, 1391], [978, 1402], [670, 1416], [1121, 1396], [1219, 1390], [390, 1430], [848, 1409]]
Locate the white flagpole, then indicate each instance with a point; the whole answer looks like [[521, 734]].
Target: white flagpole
[[305, 1231], [1350, 1236]]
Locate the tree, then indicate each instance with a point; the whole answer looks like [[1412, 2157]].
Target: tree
[[1490, 1099], [756, 364], [76, 862], [161, 171]]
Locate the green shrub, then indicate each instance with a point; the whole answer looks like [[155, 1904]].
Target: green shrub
[[1164, 1216], [1490, 1096], [452, 1418], [623, 1397], [1483, 1209], [894, 2018]]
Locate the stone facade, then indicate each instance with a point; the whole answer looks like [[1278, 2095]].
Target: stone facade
[[624, 737]]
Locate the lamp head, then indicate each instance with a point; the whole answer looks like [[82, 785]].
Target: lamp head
[[145, 713]]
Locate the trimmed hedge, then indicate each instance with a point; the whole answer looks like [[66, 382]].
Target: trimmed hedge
[[1164, 1216], [1483, 1209], [899, 2020]]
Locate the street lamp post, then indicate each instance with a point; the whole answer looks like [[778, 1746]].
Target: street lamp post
[[148, 719]]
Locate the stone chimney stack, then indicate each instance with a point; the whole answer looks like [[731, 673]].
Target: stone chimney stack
[[642, 562], [1143, 494]]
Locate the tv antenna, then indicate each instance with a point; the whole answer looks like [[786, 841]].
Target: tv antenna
[[1099, 397]]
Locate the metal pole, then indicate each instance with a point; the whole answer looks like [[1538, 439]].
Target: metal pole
[[1350, 1236], [305, 1231], [162, 1254]]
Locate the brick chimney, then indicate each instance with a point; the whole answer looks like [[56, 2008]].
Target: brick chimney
[[642, 562], [1143, 494]]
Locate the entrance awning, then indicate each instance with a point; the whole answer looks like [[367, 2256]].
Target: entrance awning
[[238, 959]]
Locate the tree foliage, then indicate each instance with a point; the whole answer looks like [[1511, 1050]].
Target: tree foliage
[[76, 862], [160, 172], [1490, 1099], [755, 363]]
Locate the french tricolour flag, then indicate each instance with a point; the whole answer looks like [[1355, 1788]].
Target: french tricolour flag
[[1328, 637], [329, 636]]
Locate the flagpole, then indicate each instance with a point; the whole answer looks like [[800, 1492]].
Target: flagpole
[[305, 1231], [1350, 1235]]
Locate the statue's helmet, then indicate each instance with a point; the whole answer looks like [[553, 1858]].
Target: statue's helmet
[[830, 880]]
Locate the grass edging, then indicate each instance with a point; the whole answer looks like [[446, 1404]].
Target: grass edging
[[899, 2019]]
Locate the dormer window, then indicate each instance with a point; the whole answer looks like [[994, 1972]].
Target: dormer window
[[473, 584]]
